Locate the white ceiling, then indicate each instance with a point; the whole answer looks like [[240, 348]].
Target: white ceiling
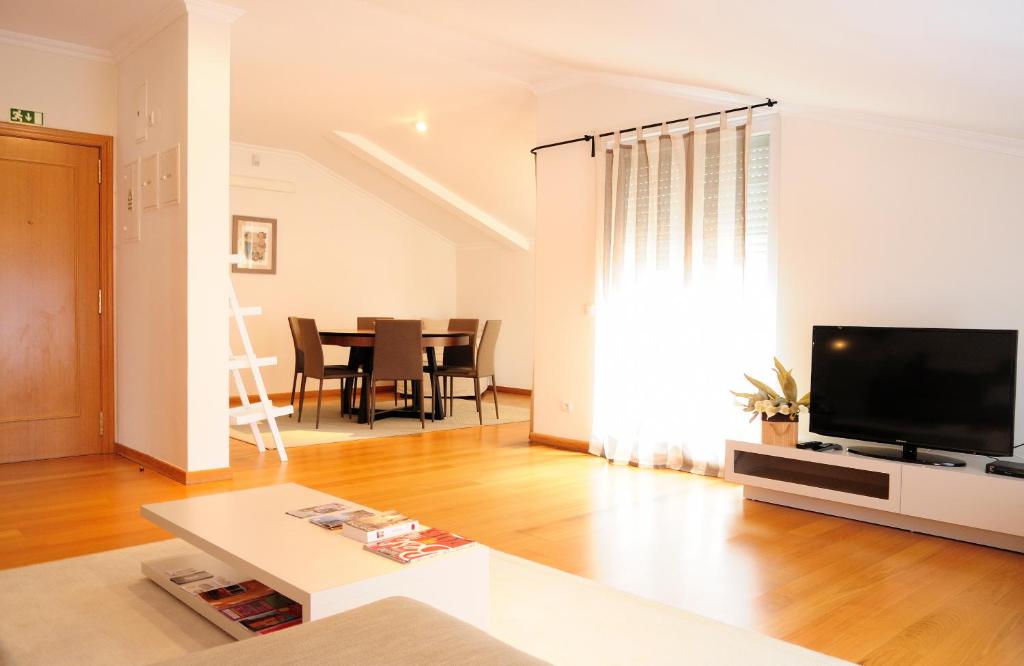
[[304, 69], [945, 62], [97, 24]]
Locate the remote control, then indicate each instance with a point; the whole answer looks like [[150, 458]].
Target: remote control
[[810, 445]]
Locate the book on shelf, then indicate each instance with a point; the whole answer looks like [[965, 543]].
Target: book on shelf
[[411, 547], [236, 593], [331, 507], [262, 606], [255, 606], [281, 618], [375, 527], [335, 521]]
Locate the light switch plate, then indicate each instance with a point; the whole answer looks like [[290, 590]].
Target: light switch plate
[[129, 214], [141, 113], [148, 187], [168, 170]]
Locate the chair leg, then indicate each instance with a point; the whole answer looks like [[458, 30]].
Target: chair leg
[[423, 423], [405, 393], [341, 396], [372, 397], [476, 393], [451, 395], [302, 397], [494, 390], [319, 399], [291, 402], [396, 393]]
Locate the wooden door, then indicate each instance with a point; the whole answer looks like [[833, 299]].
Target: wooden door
[[50, 334]]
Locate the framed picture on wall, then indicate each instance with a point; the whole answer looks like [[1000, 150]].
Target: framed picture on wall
[[255, 238]]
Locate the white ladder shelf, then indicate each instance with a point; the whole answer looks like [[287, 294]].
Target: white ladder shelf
[[251, 413]]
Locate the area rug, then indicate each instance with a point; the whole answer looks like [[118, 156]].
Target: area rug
[[334, 428], [99, 609]]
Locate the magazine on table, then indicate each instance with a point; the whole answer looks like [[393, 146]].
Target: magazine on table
[[375, 527], [411, 547], [335, 521], [319, 509]]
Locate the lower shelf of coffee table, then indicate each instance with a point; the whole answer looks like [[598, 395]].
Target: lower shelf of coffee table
[[157, 571]]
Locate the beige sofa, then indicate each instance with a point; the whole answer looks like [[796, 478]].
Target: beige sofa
[[396, 630]]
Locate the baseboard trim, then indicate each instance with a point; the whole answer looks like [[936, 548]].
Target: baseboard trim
[[234, 401], [577, 445], [172, 472], [514, 390]]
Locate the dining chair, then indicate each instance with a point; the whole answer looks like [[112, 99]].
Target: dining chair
[[461, 356], [368, 324], [397, 356], [313, 366], [293, 325], [483, 366]]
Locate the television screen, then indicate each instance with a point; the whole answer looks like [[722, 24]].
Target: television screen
[[951, 389]]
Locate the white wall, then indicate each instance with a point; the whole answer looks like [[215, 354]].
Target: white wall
[[498, 283], [887, 230], [73, 93], [151, 288], [565, 242], [341, 254], [207, 187], [563, 329], [171, 329]]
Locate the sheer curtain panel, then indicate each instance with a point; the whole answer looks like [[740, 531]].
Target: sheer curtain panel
[[684, 306]]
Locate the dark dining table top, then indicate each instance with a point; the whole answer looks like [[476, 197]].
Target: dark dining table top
[[358, 337]]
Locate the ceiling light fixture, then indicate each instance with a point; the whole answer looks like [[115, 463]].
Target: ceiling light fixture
[[421, 126]]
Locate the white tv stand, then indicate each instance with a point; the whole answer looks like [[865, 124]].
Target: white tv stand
[[961, 503]]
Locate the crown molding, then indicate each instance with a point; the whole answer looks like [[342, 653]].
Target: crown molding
[[147, 29], [993, 143], [168, 15], [56, 46], [642, 84]]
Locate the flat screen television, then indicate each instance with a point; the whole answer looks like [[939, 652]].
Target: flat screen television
[[935, 388]]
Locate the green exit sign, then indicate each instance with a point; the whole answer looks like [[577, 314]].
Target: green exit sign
[[27, 117]]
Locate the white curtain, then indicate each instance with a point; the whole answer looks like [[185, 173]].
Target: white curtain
[[684, 306]]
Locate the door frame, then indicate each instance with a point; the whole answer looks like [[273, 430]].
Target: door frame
[[105, 144]]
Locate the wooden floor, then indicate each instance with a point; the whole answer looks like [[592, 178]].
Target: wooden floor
[[862, 592]]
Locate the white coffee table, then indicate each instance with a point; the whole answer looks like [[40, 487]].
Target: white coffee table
[[246, 534]]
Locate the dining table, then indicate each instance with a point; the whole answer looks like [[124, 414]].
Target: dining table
[[361, 341]]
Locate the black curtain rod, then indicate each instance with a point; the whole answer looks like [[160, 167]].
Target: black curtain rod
[[590, 137]]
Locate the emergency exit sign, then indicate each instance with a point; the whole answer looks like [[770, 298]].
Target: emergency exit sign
[[27, 117]]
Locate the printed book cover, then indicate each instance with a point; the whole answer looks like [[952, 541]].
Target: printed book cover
[[287, 616], [378, 521], [427, 543], [334, 521], [231, 595], [260, 606], [191, 577], [319, 509]]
